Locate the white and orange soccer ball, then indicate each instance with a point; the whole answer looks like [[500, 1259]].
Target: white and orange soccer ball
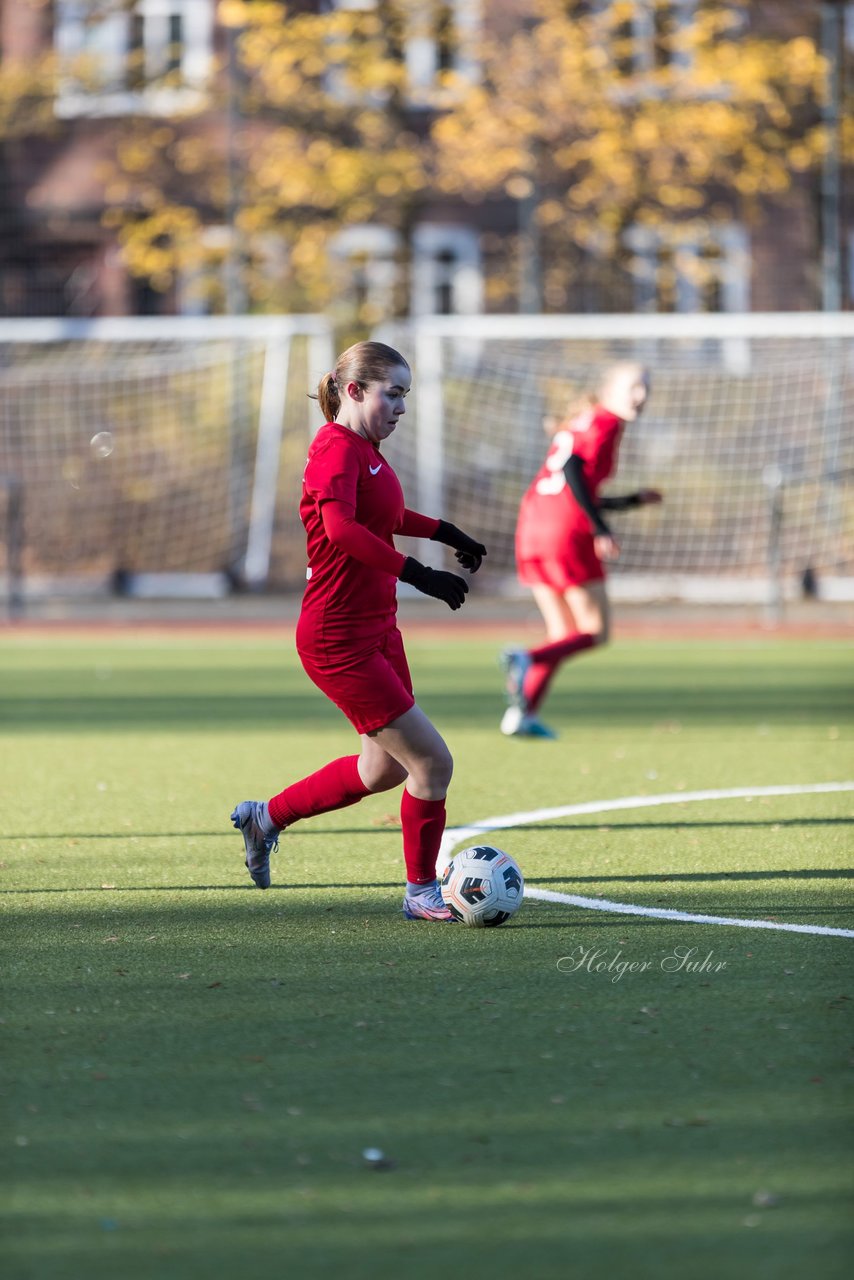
[[482, 886]]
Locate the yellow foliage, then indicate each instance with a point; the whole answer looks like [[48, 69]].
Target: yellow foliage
[[563, 109]]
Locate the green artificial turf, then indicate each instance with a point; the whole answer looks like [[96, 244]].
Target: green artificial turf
[[192, 1069]]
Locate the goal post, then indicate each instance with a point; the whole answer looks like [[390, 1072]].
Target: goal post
[[158, 455], [749, 432]]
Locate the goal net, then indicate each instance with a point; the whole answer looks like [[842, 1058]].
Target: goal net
[[155, 455], [165, 455], [749, 433]]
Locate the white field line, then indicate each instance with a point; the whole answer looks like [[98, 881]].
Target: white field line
[[455, 836]]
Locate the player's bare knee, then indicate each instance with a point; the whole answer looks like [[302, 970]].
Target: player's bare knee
[[392, 776], [442, 772], [383, 775], [432, 774]]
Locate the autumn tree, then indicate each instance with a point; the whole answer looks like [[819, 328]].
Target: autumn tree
[[597, 118], [587, 122], [310, 134]]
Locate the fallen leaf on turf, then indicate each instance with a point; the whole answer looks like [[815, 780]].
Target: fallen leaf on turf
[[387, 820], [214, 984]]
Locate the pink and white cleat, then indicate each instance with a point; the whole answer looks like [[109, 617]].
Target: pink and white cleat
[[427, 906]]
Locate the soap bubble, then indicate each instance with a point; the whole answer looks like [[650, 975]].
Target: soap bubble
[[101, 444]]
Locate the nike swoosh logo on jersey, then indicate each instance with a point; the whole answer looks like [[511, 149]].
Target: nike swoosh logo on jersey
[[374, 470]]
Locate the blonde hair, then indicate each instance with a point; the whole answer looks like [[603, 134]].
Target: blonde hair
[[364, 362], [579, 404], [582, 403]]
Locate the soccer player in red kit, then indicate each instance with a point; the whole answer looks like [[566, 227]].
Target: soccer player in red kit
[[352, 506], [562, 541]]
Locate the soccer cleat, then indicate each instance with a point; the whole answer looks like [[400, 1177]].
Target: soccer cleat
[[515, 724], [516, 663], [427, 906], [258, 844]]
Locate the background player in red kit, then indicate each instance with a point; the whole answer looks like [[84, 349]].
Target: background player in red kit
[[347, 639], [562, 541]]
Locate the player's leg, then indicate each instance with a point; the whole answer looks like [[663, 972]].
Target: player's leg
[[556, 613], [337, 785], [591, 610], [558, 622], [577, 624], [376, 691], [418, 747], [576, 619], [378, 770], [518, 720]]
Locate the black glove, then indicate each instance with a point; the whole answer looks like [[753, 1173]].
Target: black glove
[[469, 553], [435, 582], [622, 502]]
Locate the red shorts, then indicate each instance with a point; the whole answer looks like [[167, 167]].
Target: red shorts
[[571, 564], [371, 689]]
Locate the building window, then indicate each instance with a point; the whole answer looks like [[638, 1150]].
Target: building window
[[365, 257], [447, 276], [439, 40], [647, 38], [682, 270], [436, 38], [151, 56]]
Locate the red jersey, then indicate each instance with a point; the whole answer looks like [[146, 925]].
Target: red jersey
[[347, 604], [549, 512]]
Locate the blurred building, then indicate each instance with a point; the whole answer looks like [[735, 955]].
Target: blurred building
[[59, 257]]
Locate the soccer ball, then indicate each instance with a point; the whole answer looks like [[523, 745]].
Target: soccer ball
[[482, 886]]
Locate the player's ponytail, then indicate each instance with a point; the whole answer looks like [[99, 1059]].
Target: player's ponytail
[[362, 363], [328, 396]]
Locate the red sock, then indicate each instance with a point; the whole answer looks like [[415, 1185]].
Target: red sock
[[423, 822], [335, 786], [545, 661], [556, 650]]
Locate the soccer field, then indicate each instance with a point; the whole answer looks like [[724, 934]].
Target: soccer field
[[193, 1068]]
